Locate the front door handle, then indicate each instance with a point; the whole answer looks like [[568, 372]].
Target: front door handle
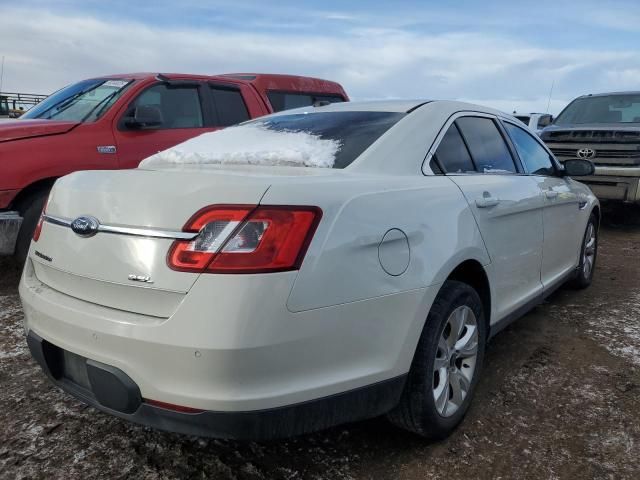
[[550, 194], [487, 201]]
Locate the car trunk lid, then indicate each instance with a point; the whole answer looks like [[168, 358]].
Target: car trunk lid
[[126, 268]]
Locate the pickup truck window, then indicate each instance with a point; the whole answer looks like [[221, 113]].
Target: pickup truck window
[[228, 106], [288, 100], [84, 101], [179, 105], [623, 108]]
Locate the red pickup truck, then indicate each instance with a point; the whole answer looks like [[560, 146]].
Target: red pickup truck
[[114, 122]]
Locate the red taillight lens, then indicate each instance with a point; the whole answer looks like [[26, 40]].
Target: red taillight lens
[[38, 230], [246, 239]]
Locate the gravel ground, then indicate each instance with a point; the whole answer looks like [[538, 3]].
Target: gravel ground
[[559, 398]]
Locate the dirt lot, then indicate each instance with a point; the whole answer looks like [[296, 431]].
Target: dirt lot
[[559, 398]]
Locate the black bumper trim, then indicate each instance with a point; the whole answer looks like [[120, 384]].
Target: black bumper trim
[[281, 422]]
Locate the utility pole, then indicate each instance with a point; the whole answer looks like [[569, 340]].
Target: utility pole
[[1, 73]]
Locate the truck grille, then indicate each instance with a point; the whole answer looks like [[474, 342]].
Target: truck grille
[[600, 153], [595, 136]]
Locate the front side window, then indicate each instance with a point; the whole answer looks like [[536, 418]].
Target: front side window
[[179, 106], [452, 154], [84, 101], [486, 145], [288, 100], [228, 106], [535, 158], [602, 109]]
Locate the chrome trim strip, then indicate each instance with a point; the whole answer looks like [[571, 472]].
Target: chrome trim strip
[[132, 231]]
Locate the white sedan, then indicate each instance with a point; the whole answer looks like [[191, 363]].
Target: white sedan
[[305, 269]]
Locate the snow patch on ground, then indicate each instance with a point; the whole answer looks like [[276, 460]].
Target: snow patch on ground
[[619, 329], [613, 325], [250, 145]]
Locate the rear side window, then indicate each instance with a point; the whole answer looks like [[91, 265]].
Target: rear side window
[[288, 100], [486, 145], [452, 154], [228, 106], [536, 160], [179, 105]]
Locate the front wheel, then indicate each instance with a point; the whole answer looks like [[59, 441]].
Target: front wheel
[[446, 365], [588, 254]]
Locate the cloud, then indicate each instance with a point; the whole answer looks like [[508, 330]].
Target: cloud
[[371, 60]]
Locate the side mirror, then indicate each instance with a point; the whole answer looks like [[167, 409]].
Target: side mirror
[[145, 116], [578, 168]]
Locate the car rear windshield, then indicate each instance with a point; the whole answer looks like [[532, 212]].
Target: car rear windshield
[[602, 109], [354, 131]]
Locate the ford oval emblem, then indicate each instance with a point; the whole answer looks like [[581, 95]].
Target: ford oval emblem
[[85, 226]]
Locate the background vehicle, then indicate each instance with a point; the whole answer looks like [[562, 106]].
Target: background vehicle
[[114, 122], [273, 299], [603, 128], [535, 121]]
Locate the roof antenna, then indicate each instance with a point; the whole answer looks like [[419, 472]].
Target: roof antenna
[[161, 78], [550, 92]]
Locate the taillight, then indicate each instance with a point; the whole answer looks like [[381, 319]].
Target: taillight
[[38, 230], [246, 239]]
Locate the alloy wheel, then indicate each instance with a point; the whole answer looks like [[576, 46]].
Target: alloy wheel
[[455, 360]]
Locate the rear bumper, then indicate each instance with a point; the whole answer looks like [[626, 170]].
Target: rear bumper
[[112, 391], [10, 223], [232, 347]]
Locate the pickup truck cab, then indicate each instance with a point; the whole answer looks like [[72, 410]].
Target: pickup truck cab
[[603, 128], [535, 121], [116, 121]]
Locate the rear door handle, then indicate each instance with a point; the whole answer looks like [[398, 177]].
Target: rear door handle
[[487, 201], [550, 194]]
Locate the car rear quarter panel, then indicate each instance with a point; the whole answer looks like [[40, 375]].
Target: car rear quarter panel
[[343, 265]]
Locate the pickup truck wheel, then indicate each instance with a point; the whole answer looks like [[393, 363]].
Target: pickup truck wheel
[[30, 209], [588, 254], [446, 365]]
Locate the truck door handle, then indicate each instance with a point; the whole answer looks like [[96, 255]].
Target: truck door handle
[[487, 201], [550, 194]]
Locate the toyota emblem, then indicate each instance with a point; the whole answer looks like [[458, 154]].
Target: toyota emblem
[[586, 153]]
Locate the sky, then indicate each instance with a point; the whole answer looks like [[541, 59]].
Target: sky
[[503, 54]]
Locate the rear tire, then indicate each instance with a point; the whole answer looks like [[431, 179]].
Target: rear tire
[[444, 361], [30, 209], [588, 254]]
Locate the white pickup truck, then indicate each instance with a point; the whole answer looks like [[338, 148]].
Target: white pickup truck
[[535, 121]]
